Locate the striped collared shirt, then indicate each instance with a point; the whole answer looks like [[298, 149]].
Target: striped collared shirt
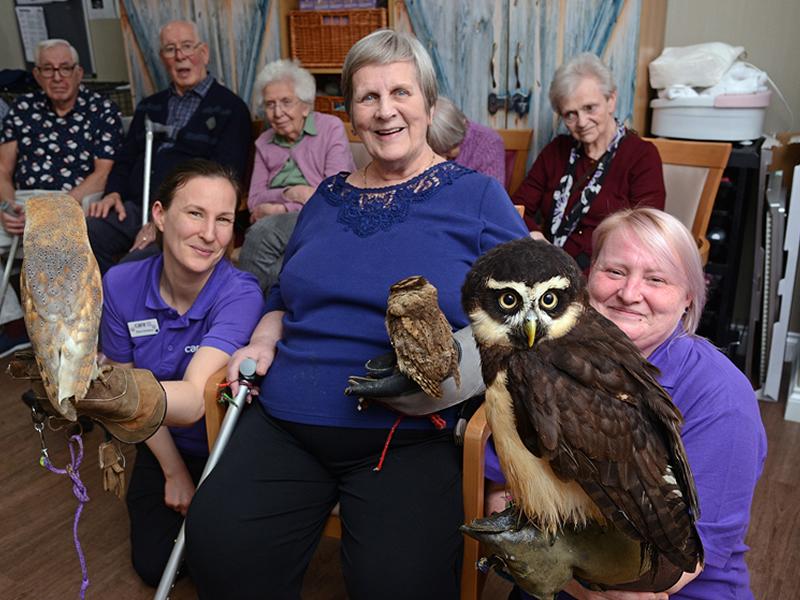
[[181, 108]]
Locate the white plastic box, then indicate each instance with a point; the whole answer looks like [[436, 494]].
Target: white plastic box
[[728, 117]]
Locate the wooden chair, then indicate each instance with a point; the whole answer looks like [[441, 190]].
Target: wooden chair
[[475, 438], [517, 143], [692, 172]]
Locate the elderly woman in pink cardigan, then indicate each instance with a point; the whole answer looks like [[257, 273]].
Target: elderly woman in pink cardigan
[[299, 150]]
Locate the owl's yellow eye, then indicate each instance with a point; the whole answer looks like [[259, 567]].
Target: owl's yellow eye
[[548, 301], [508, 301]]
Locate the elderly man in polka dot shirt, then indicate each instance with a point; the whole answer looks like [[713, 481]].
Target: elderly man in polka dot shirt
[[62, 138]]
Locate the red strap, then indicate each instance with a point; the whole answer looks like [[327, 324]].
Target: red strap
[[437, 421], [386, 445]]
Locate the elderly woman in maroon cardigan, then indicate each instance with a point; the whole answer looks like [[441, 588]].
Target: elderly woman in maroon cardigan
[[298, 150], [601, 167]]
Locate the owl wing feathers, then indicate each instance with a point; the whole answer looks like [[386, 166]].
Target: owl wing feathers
[[424, 351], [62, 297], [600, 418], [421, 335]]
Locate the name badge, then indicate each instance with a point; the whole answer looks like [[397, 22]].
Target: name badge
[[143, 328]]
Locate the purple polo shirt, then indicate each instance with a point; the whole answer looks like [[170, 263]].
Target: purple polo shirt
[[223, 316], [726, 446]]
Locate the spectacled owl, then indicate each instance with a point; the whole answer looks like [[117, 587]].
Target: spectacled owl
[[421, 335], [62, 298], [583, 431]]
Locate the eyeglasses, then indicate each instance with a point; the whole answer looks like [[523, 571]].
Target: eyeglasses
[[187, 49], [48, 71], [284, 103]]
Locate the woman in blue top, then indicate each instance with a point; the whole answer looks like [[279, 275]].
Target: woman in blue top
[[181, 315], [305, 446]]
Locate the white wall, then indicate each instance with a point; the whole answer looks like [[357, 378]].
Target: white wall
[[768, 30], [109, 53]]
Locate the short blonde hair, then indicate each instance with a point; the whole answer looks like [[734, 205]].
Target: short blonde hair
[[383, 47], [670, 243]]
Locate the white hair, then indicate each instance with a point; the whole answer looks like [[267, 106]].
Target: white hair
[[569, 76], [305, 88], [52, 43], [191, 24]]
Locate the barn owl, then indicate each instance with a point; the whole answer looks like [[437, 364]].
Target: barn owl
[[62, 298]]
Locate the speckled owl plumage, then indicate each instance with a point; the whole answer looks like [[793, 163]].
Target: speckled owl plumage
[[420, 334], [62, 298]]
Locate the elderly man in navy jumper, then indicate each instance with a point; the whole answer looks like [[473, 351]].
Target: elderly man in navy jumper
[[205, 119]]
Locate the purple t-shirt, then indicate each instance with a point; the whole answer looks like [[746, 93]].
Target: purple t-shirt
[[223, 316], [726, 446]]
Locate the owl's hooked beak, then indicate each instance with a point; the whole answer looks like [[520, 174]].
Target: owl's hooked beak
[[530, 329]]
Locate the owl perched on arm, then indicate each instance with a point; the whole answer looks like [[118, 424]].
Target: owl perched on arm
[[421, 335], [62, 298], [583, 431]]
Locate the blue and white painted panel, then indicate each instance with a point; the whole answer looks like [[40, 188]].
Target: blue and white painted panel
[[460, 37]]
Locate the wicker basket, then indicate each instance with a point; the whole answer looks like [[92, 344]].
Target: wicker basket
[[332, 105], [322, 38]]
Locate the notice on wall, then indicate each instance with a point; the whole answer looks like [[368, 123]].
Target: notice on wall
[[32, 28]]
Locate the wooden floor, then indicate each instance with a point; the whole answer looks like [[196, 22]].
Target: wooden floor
[[38, 559]]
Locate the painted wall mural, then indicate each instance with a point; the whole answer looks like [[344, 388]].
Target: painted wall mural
[[513, 47]]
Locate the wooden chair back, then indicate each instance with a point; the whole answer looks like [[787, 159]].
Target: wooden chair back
[[692, 173], [517, 143]]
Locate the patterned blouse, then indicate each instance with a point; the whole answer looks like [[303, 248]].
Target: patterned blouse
[[58, 153]]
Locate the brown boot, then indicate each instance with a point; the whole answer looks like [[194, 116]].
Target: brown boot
[[129, 403]]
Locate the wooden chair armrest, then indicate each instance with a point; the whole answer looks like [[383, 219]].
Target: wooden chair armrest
[[704, 247], [215, 411], [475, 439]]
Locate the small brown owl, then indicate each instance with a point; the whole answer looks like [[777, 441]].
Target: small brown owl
[[62, 298], [421, 335]]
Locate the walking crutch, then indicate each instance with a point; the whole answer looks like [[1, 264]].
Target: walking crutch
[[150, 129], [5, 206], [247, 371]]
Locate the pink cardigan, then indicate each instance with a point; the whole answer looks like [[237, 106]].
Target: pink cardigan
[[317, 156]]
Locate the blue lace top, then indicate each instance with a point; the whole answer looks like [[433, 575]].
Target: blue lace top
[[368, 210], [349, 246]]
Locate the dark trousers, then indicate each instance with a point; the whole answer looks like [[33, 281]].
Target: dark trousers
[[111, 238], [154, 526], [253, 526]]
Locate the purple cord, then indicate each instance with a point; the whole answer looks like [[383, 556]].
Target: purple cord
[[80, 493]]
